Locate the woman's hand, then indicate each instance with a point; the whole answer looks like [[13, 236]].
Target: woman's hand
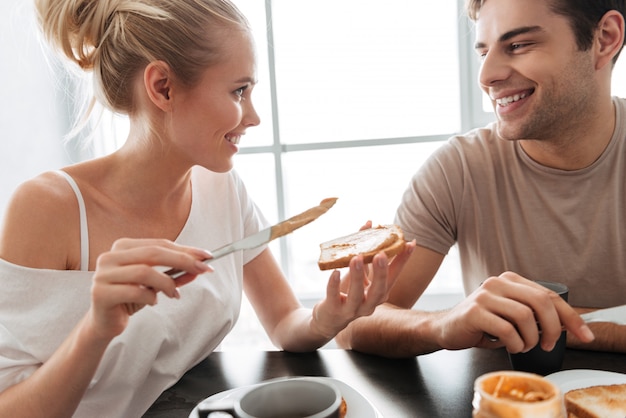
[[125, 279], [364, 288]]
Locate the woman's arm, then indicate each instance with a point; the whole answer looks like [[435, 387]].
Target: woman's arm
[[123, 283], [56, 388], [294, 328]]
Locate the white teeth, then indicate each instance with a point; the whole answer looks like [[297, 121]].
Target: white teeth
[[505, 101], [234, 139]]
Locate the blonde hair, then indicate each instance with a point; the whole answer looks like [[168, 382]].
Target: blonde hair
[[117, 38]]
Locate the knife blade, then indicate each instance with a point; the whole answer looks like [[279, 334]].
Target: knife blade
[[616, 314], [266, 235]]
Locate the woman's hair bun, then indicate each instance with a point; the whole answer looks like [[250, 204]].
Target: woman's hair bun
[[76, 26], [117, 38]]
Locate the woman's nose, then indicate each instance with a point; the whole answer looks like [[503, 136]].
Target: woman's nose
[[250, 117]]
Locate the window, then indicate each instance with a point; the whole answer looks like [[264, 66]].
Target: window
[[354, 95], [353, 98]]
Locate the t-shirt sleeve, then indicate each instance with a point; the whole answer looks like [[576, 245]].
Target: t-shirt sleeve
[[429, 205]]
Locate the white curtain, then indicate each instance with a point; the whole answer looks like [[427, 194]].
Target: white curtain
[[33, 110]]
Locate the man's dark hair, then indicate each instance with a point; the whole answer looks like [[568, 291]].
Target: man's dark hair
[[583, 15]]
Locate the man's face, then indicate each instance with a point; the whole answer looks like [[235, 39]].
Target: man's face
[[537, 79]]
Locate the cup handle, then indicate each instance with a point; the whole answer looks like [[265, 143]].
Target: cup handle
[[225, 405]]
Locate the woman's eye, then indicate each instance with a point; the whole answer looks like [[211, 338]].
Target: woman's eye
[[240, 91]]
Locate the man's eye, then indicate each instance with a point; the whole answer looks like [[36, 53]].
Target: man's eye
[[517, 46]]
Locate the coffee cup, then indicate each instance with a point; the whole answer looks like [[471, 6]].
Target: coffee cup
[[293, 397], [537, 360]]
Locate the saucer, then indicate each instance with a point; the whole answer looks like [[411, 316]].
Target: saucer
[[358, 405]]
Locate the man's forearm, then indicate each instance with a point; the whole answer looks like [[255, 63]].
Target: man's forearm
[[609, 337], [390, 332]]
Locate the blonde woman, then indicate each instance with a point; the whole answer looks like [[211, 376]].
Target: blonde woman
[[88, 326]]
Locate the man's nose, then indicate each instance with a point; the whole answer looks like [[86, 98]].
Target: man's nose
[[495, 67]]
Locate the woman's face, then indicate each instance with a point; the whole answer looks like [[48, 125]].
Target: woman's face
[[209, 119]]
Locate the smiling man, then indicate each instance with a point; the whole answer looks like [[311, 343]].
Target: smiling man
[[540, 194]]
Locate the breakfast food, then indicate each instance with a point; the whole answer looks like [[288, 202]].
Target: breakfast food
[[338, 252], [601, 401], [343, 409], [303, 218], [516, 394]]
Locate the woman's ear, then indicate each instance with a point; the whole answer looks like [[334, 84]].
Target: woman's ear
[[609, 37], [157, 78]]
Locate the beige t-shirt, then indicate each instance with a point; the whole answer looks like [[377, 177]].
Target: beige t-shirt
[[509, 213]]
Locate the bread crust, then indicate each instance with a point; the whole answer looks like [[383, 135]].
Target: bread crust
[[343, 408], [338, 252], [601, 401]]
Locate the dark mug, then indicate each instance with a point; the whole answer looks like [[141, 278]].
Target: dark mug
[[537, 360], [292, 397]]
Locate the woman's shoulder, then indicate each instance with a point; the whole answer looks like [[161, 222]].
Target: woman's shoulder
[[48, 192], [39, 222]]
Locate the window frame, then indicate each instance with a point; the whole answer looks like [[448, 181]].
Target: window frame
[[472, 115]]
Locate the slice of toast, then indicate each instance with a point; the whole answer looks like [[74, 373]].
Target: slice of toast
[[338, 252], [602, 401]]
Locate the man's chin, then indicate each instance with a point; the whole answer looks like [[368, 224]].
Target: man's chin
[[506, 133]]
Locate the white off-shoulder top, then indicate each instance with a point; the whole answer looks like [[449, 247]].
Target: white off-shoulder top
[[39, 308]]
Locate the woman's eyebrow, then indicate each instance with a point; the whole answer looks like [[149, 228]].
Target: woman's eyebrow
[[512, 34], [249, 80]]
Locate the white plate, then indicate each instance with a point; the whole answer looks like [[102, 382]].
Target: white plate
[[358, 406], [581, 378]]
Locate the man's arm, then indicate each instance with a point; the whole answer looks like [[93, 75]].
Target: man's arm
[[391, 332], [506, 307], [609, 337], [394, 330]]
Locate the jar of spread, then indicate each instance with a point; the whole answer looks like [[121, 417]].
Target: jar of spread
[[511, 394]]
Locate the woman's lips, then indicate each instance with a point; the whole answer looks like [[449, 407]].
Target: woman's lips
[[233, 139]]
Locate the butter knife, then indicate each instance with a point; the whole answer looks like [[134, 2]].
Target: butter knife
[[616, 314], [266, 235]]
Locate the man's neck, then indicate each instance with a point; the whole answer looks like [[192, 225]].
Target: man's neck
[[577, 148]]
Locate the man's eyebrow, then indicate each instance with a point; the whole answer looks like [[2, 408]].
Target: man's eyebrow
[[512, 34]]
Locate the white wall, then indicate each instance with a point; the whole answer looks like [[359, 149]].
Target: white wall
[[32, 121]]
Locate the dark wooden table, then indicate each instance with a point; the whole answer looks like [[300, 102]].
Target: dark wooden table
[[434, 385]]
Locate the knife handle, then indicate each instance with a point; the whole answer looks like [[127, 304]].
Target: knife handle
[[219, 253]]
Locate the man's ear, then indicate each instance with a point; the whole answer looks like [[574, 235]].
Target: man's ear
[[609, 37], [157, 78]]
